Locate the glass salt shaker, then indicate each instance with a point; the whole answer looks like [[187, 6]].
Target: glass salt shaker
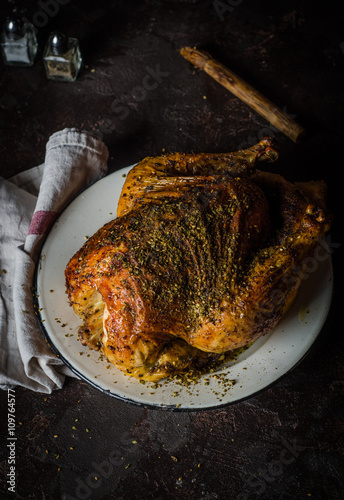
[[18, 42], [62, 57]]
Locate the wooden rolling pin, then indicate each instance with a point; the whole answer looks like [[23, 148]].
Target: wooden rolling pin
[[245, 92]]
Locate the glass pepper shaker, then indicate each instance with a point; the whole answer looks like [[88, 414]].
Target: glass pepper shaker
[[18, 42], [62, 57]]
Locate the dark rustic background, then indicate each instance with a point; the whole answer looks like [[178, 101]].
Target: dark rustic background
[[287, 442]]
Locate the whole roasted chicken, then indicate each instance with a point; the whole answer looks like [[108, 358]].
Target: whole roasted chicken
[[203, 258]]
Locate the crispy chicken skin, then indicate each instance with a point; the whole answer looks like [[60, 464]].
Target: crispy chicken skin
[[200, 260]]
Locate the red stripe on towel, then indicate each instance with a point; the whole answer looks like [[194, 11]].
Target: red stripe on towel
[[41, 221]]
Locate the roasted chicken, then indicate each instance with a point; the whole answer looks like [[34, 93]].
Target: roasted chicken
[[201, 260]]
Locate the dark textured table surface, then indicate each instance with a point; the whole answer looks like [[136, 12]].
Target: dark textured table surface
[[286, 442]]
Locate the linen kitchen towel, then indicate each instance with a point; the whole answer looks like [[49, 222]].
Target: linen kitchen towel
[[29, 204]]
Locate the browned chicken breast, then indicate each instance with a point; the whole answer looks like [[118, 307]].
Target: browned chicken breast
[[198, 261]]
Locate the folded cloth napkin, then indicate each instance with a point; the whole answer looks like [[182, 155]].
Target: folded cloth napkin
[[29, 204]]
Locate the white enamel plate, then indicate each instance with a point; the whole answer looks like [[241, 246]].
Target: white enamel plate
[[259, 366]]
